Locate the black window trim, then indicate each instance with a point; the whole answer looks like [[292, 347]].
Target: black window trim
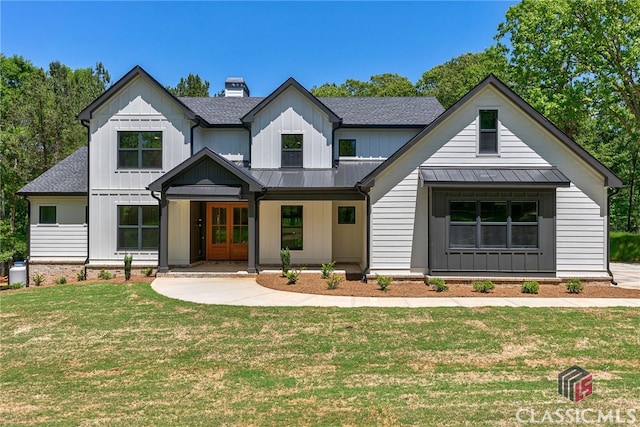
[[478, 223], [55, 215], [140, 149], [138, 227], [354, 147], [355, 212], [291, 150], [301, 227]]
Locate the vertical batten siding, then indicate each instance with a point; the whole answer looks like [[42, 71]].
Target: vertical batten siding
[[233, 144], [347, 238], [137, 106], [374, 144], [179, 232], [291, 113], [393, 219], [580, 230]]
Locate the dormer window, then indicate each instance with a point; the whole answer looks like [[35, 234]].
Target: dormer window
[[488, 134], [139, 150], [291, 151]]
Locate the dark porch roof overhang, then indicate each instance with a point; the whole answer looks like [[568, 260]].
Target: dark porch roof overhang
[[203, 193], [493, 177]]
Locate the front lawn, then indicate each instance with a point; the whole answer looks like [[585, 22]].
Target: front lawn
[[119, 354]]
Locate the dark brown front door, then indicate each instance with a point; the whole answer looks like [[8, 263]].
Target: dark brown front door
[[227, 231]]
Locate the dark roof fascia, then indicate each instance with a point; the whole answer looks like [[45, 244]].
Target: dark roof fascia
[[254, 185], [312, 194], [355, 126], [611, 180], [290, 82], [35, 193], [115, 88]]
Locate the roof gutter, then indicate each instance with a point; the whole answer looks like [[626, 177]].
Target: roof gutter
[[196, 122], [608, 246]]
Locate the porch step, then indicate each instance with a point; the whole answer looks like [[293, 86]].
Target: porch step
[[204, 275]]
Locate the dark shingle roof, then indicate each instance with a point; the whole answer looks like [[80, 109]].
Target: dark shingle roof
[[363, 111], [67, 177]]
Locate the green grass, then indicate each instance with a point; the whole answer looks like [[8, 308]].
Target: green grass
[[624, 247], [119, 354]]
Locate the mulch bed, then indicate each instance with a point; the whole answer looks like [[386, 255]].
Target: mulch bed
[[314, 284]]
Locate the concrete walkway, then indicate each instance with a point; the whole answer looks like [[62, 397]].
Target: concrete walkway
[[246, 292]]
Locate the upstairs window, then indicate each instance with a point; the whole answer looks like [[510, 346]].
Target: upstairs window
[[47, 215], [292, 151], [347, 147], [139, 150], [488, 135]]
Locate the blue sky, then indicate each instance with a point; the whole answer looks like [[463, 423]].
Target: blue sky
[[264, 42]]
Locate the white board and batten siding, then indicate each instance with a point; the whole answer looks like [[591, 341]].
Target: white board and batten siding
[[232, 144], [64, 241], [374, 144], [139, 106], [581, 219], [291, 113]]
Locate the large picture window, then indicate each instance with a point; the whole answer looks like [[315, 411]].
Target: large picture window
[[291, 227], [139, 150], [490, 224], [292, 151], [138, 227]]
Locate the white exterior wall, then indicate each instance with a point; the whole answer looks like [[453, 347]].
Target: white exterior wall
[[137, 106], [233, 144], [65, 241], [179, 232], [348, 239], [581, 219], [316, 229], [291, 113], [375, 144]]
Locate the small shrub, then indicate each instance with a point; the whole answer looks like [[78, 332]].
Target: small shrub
[[147, 271], [38, 279], [328, 269], [128, 259], [285, 259], [292, 276], [105, 275], [574, 286], [383, 282], [16, 285], [531, 287], [483, 286], [81, 275], [438, 284], [61, 280], [333, 281]]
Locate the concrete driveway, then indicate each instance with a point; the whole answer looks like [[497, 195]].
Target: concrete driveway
[[627, 275]]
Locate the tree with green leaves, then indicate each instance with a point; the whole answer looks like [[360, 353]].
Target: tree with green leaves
[[387, 84], [450, 81], [578, 63], [193, 85]]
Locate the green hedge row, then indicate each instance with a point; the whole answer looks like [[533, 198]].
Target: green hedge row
[[624, 247]]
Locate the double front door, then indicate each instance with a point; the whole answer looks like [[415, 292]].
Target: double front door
[[227, 231]]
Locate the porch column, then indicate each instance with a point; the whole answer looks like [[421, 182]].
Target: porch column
[[163, 237], [251, 261]]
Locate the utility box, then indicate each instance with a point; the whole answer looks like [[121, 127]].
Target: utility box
[[18, 273]]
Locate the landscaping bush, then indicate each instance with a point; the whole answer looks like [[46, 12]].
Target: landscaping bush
[[333, 281], [531, 287], [624, 247], [128, 259], [105, 275], [38, 279], [285, 259], [61, 280], [147, 271], [483, 286], [574, 286], [383, 281], [438, 284], [292, 276], [16, 285], [81, 275], [327, 269]]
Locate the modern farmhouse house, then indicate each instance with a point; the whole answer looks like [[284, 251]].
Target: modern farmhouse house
[[488, 187]]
